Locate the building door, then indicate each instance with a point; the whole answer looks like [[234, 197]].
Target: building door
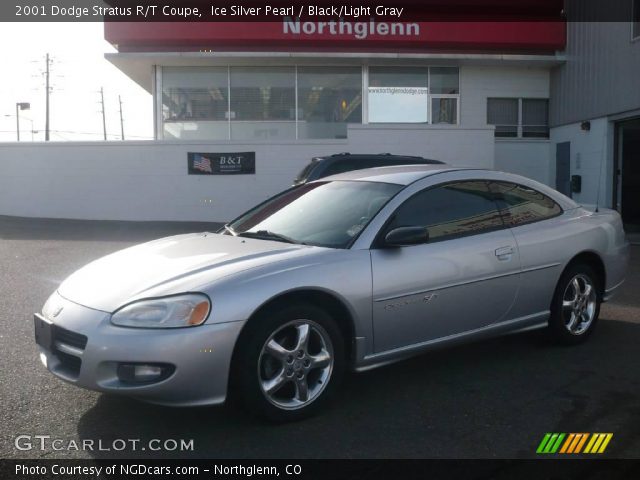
[[563, 168], [628, 169]]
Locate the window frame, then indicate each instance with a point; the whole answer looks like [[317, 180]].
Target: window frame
[[520, 126], [157, 87], [378, 241], [635, 24], [502, 204], [444, 95], [366, 76]]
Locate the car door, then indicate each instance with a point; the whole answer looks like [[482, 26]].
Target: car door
[[464, 278], [540, 231]]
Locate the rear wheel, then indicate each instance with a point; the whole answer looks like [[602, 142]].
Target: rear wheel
[[289, 363], [576, 305]]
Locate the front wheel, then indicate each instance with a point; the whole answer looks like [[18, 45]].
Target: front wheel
[[289, 363], [576, 305]]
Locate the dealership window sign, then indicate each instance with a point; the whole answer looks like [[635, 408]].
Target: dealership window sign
[[226, 163], [398, 104]]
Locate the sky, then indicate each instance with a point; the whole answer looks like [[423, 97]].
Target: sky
[[78, 71]]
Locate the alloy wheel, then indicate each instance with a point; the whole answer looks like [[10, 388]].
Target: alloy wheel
[[579, 304], [295, 364]]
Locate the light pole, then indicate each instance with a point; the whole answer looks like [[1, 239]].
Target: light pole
[[28, 119], [20, 106]]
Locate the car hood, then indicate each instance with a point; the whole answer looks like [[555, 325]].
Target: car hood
[[156, 268]]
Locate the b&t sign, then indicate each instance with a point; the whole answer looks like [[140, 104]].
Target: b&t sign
[[227, 163]]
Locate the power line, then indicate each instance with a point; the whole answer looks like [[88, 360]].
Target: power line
[[115, 135], [73, 132]]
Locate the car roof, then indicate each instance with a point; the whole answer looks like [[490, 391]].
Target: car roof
[[398, 174]]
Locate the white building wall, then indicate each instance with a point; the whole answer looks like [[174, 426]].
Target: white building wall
[[149, 181], [591, 157], [477, 83], [529, 157]]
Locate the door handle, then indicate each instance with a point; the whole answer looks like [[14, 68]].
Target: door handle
[[504, 253]]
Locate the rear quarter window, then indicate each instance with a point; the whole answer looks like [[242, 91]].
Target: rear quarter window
[[521, 205]]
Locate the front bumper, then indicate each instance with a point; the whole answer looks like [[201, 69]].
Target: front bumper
[[201, 356]]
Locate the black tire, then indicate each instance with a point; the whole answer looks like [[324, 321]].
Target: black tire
[[248, 370], [561, 316]]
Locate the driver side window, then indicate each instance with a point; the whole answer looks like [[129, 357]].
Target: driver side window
[[450, 210]]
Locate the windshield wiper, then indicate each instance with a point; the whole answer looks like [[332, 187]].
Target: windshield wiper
[[268, 235]]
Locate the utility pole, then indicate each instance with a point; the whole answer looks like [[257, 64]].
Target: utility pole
[[104, 119], [121, 119], [47, 92], [18, 121]]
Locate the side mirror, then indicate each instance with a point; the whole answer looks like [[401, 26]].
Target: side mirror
[[405, 236]]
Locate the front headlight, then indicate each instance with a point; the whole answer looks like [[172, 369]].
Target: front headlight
[[177, 311]]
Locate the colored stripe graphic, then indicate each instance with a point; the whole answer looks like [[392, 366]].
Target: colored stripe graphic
[[550, 443], [544, 441], [606, 441], [567, 443], [598, 442], [581, 443], [574, 443]]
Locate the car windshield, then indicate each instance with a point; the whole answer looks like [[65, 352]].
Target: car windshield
[[327, 214]]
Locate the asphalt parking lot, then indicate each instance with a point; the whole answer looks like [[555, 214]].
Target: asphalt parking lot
[[494, 399]]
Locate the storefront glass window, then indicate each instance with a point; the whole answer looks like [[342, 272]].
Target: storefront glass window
[[444, 81], [398, 95], [287, 102], [413, 95], [195, 102], [262, 103], [328, 99], [444, 110]]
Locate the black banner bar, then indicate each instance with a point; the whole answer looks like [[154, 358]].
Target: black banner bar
[[314, 10], [565, 469]]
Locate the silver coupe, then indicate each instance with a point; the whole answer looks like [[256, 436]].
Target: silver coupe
[[345, 273]]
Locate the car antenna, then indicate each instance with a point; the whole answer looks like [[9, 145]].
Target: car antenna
[[598, 189]]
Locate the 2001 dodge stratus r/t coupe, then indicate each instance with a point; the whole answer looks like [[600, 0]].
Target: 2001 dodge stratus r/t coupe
[[353, 271]]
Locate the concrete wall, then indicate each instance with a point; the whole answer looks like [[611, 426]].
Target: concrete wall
[[149, 181], [591, 157]]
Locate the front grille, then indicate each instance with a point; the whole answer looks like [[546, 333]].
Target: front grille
[[70, 338]]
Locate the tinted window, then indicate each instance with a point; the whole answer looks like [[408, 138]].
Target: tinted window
[[454, 209], [522, 204]]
